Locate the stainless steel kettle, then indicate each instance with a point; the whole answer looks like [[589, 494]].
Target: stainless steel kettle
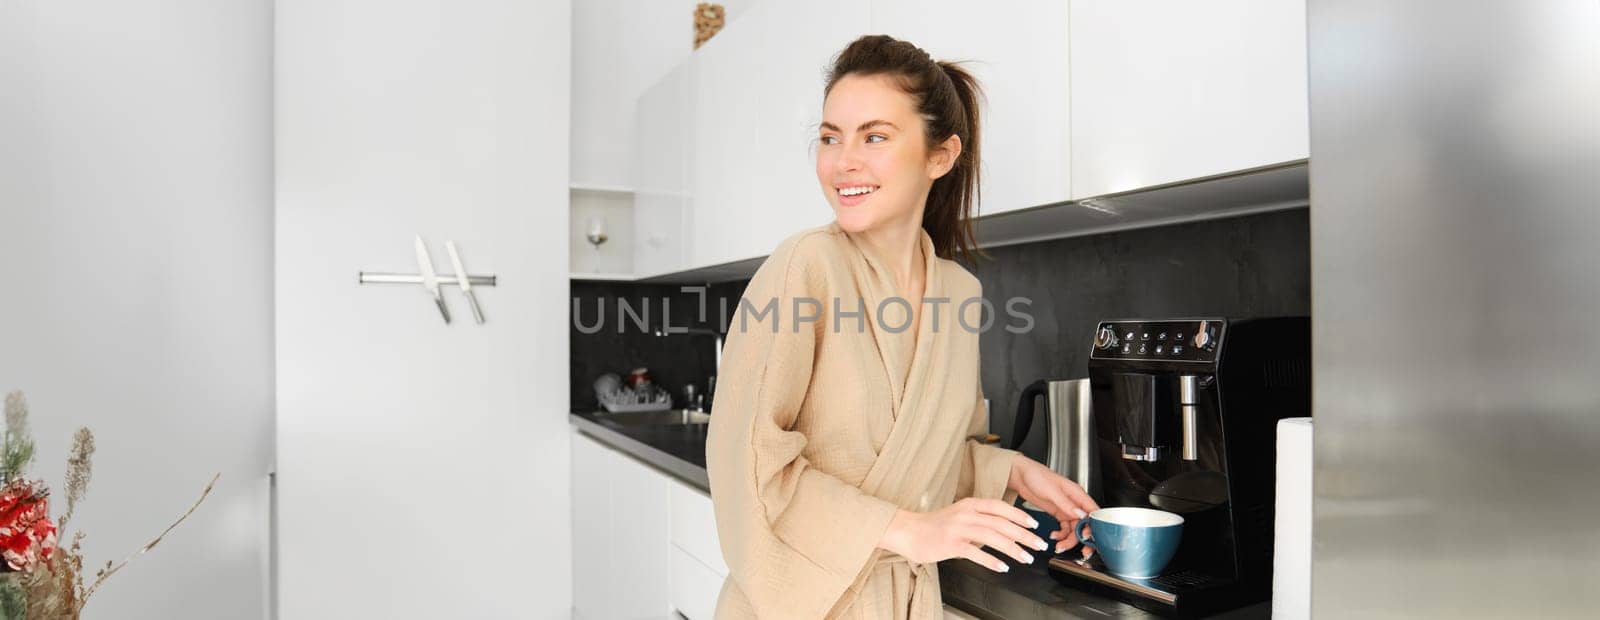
[[1070, 448]]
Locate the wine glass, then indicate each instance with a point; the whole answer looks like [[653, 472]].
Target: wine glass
[[597, 231]]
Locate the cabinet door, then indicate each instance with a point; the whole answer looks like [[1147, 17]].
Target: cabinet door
[[637, 540], [698, 569], [694, 526], [758, 99], [660, 172], [1167, 90], [591, 497], [1018, 52], [695, 587], [801, 40], [727, 154]]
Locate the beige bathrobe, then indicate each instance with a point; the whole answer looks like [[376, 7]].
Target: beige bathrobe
[[821, 429]]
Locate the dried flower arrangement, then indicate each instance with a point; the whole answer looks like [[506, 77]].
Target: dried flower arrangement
[[708, 20], [39, 579]]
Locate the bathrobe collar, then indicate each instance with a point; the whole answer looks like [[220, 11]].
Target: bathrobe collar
[[904, 369]]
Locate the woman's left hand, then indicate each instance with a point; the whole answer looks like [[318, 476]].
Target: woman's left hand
[[1053, 493]]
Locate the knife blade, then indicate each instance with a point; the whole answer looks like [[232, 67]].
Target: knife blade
[[430, 280], [465, 281]]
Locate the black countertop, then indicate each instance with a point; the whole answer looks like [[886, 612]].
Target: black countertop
[[678, 449], [1026, 592]]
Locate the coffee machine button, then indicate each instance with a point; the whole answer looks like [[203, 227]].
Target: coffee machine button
[[1177, 349], [1144, 336], [1161, 336], [1128, 336], [1141, 349], [1125, 348], [1159, 350]]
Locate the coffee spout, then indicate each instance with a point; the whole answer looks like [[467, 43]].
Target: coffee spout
[[1189, 404]]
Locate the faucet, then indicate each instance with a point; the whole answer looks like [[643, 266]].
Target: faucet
[[711, 382]]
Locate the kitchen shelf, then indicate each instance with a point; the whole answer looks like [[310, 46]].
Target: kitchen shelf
[[612, 190], [602, 277], [1257, 190]]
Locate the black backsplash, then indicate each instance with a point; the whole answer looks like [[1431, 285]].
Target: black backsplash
[[619, 346], [1250, 266], [1256, 265]]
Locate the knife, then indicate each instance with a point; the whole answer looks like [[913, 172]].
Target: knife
[[465, 281], [430, 280]]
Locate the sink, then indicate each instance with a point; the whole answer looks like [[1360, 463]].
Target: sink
[[675, 416]]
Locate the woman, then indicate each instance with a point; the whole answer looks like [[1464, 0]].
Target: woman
[[842, 433]]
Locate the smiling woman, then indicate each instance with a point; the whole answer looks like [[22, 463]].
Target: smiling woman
[[842, 459]]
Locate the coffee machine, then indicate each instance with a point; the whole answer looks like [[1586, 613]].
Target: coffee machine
[[1185, 415]]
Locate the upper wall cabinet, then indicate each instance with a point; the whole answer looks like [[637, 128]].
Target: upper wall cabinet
[[725, 143], [757, 100], [661, 152], [619, 48], [1018, 51], [1169, 90], [1083, 98], [801, 39]]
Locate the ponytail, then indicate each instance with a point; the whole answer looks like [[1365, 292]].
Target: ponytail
[[953, 199]]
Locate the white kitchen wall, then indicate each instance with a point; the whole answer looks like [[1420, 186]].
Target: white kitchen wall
[[423, 467], [136, 247], [619, 49]]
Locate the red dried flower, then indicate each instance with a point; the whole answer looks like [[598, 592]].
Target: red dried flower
[[27, 537]]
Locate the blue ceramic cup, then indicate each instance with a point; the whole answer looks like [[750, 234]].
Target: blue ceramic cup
[[1133, 542]]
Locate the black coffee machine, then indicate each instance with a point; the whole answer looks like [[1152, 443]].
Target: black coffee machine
[[1185, 419]]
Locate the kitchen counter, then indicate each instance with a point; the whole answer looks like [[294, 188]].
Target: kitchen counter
[[678, 449], [1026, 592]]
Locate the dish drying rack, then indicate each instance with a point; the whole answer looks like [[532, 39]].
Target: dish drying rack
[[624, 399]]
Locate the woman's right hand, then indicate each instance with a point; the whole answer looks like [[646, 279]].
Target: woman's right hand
[[960, 529]]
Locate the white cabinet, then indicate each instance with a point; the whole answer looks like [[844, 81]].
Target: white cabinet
[[619, 48], [1018, 52], [644, 543], [757, 100], [661, 174], [694, 586], [694, 527], [698, 569], [801, 40], [1167, 90], [620, 556], [1082, 98], [726, 148], [591, 500]]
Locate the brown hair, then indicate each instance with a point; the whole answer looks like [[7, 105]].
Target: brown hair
[[946, 97]]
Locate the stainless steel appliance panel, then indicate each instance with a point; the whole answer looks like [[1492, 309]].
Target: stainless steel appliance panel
[[1455, 233]]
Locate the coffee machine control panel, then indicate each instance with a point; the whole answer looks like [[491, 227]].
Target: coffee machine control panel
[[1178, 340]]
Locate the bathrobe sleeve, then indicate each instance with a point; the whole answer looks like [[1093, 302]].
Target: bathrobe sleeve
[[985, 468], [795, 538]]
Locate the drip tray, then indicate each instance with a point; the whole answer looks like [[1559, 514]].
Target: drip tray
[[1167, 589]]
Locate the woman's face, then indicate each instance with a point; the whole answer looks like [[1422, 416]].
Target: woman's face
[[873, 161]]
